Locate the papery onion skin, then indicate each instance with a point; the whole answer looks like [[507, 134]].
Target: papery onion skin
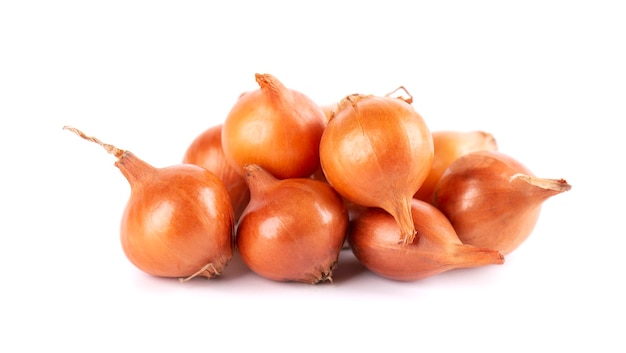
[[206, 151], [292, 229], [376, 152], [493, 200], [275, 127], [178, 221], [372, 237], [448, 146]]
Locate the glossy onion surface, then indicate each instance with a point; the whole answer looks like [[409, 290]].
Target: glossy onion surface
[[376, 152], [292, 229], [178, 220], [493, 200], [373, 238], [275, 127]]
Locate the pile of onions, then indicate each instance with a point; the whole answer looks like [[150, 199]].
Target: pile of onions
[[289, 184], [376, 152], [178, 221]]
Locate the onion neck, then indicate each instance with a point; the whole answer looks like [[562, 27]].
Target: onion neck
[[271, 86], [258, 180], [277, 94], [467, 256], [401, 212], [559, 185], [133, 168], [545, 187]]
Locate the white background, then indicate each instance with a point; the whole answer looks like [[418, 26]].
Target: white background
[[547, 78]]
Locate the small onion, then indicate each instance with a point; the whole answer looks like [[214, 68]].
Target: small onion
[[292, 229], [493, 200], [376, 152], [275, 127], [178, 221]]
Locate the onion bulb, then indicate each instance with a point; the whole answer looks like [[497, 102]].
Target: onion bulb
[[373, 235], [178, 221], [493, 200], [376, 152], [206, 151], [450, 145], [275, 127], [292, 229]]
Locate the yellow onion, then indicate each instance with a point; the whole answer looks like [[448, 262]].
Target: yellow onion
[[292, 229], [178, 221], [493, 200], [376, 152], [276, 127]]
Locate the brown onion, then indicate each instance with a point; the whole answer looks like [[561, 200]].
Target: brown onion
[[450, 145], [275, 127], [373, 238], [292, 229], [493, 200], [376, 152], [206, 151], [178, 221]]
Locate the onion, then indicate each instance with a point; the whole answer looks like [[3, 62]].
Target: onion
[[376, 152], [178, 221], [493, 200], [450, 145], [292, 229], [275, 127], [206, 151], [373, 235]]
